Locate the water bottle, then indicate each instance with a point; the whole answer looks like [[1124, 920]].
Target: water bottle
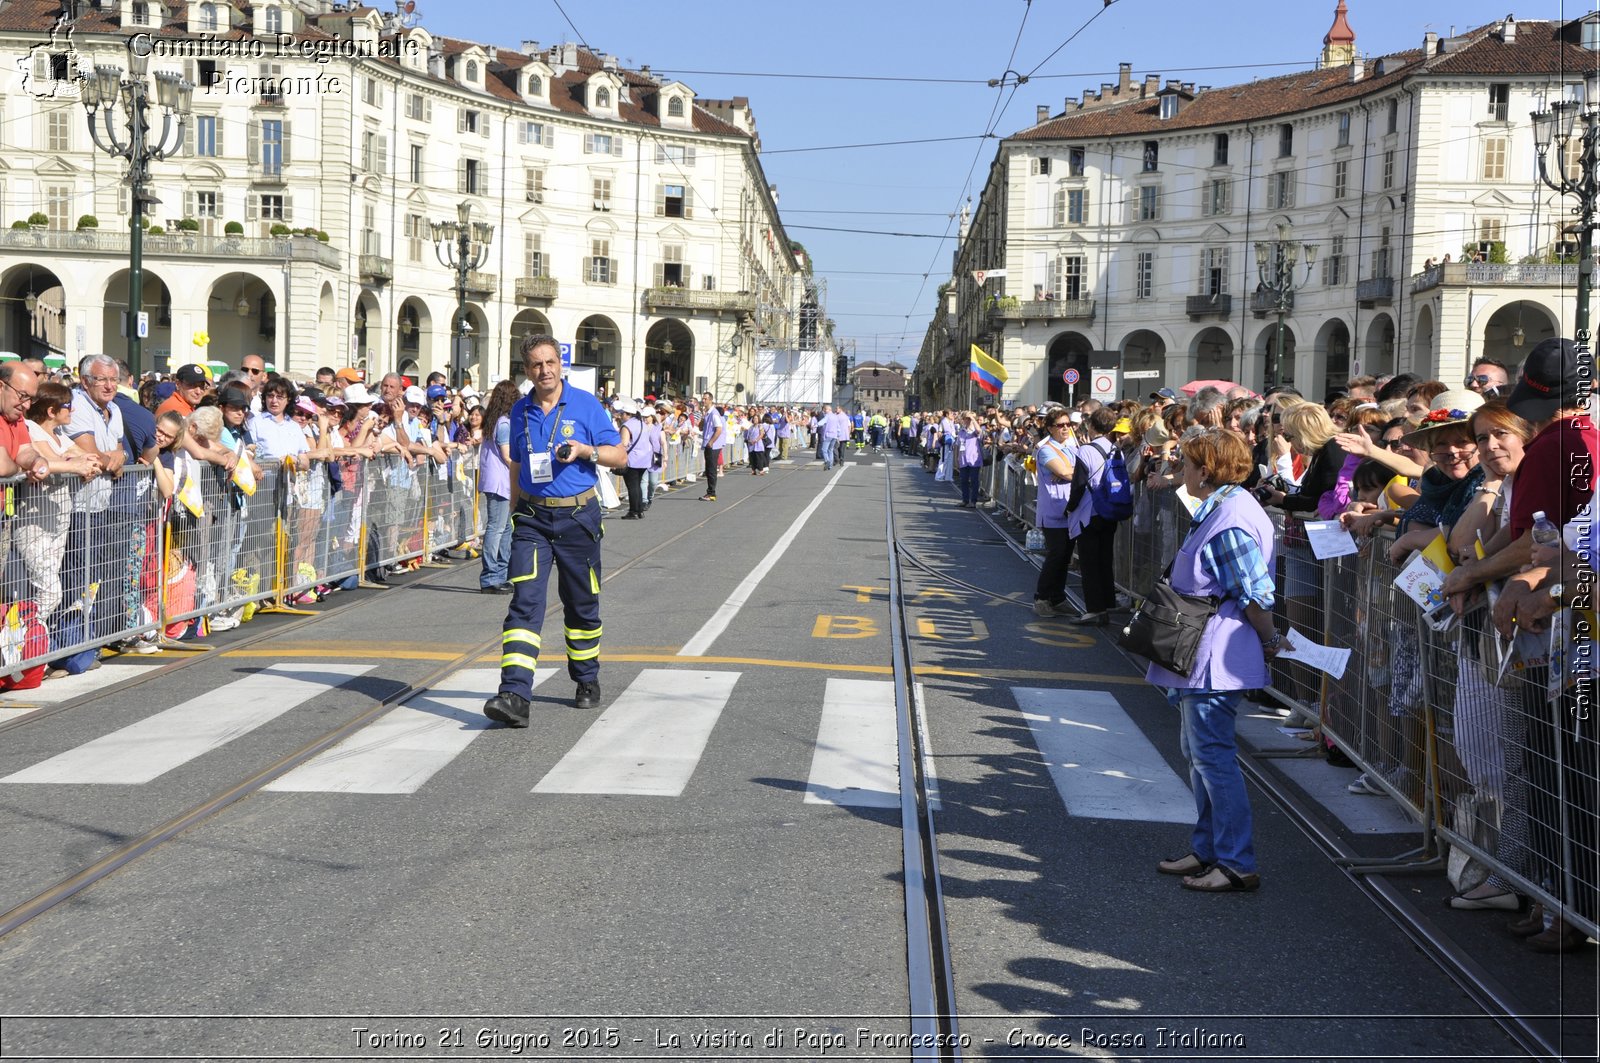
[[1545, 533]]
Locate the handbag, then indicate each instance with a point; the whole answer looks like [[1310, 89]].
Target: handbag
[[1167, 626]]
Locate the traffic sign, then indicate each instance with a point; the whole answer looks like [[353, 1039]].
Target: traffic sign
[[1070, 376], [1103, 384], [566, 354], [1142, 374]]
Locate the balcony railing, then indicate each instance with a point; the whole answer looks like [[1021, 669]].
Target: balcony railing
[[1263, 303], [537, 288], [1486, 274], [1043, 310], [487, 283], [1375, 290], [173, 245], [1208, 305], [668, 297], [377, 268]]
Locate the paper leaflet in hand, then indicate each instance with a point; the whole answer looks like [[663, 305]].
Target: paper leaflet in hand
[[1328, 538], [189, 494], [12, 636], [1330, 659], [1420, 581], [244, 478]]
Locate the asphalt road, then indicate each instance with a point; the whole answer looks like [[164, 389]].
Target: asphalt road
[[708, 866]]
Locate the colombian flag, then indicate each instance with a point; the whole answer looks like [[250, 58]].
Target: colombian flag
[[988, 373]]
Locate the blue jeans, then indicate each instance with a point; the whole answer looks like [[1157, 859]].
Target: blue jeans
[[967, 477], [828, 443], [1223, 829], [496, 541]]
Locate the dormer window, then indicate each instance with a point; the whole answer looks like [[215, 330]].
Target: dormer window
[[535, 85], [675, 107], [472, 71], [1590, 37], [208, 18], [1169, 106], [274, 19], [602, 98]]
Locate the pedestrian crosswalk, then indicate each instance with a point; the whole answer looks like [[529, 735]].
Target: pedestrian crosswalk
[[648, 743]]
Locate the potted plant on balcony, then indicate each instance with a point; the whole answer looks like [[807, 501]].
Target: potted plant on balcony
[[88, 221], [233, 228], [38, 220], [279, 229]]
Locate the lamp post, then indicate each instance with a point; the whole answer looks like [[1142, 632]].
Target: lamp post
[[1275, 265], [462, 245], [1556, 127], [100, 93]]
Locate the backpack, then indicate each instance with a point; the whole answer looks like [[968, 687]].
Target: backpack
[[1112, 493]]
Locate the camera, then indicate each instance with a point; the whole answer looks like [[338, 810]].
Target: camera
[[564, 452]]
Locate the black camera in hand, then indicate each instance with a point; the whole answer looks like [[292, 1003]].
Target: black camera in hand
[[564, 452]]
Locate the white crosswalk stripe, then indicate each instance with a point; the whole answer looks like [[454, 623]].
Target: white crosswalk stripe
[[152, 747], [856, 762], [650, 741], [409, 745], [1102, 764]]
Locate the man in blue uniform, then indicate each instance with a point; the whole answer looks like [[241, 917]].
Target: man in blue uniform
[[559, 435]]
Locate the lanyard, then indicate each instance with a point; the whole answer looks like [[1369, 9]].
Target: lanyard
[[527, 421]]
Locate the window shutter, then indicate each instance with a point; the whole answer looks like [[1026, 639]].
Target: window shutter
[[252, 207], [616, 146], [522, 132], [688, 204], [483, 178], [217, 126], [287, 136], [461, 120], [688, 277], [661, 154], [383, 154], [483, 126], [1061, 207], [661, 201], [549, 135], [588, 143], [253, 142], [658, 276], [189, 73], [461, 175], [688, 156], [588, 269], [188, 203], [288, 211]]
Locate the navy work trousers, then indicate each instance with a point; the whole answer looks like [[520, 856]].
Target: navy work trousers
[[564, 541]]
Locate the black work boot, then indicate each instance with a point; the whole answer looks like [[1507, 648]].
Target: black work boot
[[588, 696], [509, 709]]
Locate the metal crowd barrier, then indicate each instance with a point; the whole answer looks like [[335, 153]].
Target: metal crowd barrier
[[1484, 760]]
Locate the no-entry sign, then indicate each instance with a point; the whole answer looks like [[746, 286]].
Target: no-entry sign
[[1103, 384]]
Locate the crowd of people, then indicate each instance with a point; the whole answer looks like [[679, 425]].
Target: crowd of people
[[1498, 471]]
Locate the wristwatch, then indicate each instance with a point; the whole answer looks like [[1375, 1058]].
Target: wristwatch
[[1274, 642], [1557, 592]]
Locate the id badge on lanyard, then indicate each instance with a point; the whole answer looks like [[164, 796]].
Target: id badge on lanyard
[[541, 469]]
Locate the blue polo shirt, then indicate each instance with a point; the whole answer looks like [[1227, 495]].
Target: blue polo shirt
[[577, 417]]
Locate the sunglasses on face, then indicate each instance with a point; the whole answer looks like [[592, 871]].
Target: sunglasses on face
[[1481, 381], [1391, 444]]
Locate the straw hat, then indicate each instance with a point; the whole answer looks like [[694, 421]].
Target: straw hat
[[1448, 408]]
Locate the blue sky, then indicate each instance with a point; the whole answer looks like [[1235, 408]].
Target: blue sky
[[828, 73]]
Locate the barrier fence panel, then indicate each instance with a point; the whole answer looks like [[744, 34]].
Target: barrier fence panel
[[221, 559], [394, 510]]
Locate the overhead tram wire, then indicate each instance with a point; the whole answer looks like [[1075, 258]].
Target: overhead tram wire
[[575, 31]]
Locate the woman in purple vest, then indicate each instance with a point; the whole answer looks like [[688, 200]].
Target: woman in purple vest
[[1227, 554]]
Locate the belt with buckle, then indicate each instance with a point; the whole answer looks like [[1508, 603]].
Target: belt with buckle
[[566, 502]]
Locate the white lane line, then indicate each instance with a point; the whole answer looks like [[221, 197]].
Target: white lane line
[[856, 761], [650, 741], [1102, 764], [152, 747], [702, 640], [409, 744]]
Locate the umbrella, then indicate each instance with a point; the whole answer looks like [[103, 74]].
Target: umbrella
[[1194, 386]]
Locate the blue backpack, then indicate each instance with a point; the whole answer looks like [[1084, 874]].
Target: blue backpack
[[1112, 493]]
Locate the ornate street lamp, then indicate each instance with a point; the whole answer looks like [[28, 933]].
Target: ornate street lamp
[[1555, 128], [1275, 265], [100, 93], [462, 245]]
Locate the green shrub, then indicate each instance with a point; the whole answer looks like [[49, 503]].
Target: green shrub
[[188, 225], [38, 217], [233, 228], [19, 224], [156, 230], [280, 229], [88, 221]]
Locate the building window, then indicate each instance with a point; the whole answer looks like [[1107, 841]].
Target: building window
[[273, 207], [1388, 169], [674, 154], [601, 144], [1072, 206], [1075, 157], [59, 123], [1152, 156], [417, 234], [208, 18], [369, 151], [141, 13], [474, 177], [599, 271], [271, 145], [371, 92], [535, 85], [418, 107], [1490, 231], [468, 121], [1040, 166], [1394, 116], [1344, 129], [371, 241], [1333, 262], [671, 271], [602, 193], [274, 20], [674, 201], [1499, 101], [1144, 275], [58, 205], [1380, 255], [1494, 158], [1572, 158], [533, 264], [1219, 149], [602, 98], [472, 71], [205, 135], [1218, 196], [416, 164], [1285, 140], [537, 134], [1150, 203], [1280, 190], [535, 182], [1341, 178], [1214, 271], [1169, 106], [1067, 279]]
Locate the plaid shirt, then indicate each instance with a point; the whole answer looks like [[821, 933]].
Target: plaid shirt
[[1233, 558]]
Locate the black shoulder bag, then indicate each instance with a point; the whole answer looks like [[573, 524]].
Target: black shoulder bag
[[1167, 626]]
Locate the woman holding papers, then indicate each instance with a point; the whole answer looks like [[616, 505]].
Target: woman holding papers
[[1227, 554]]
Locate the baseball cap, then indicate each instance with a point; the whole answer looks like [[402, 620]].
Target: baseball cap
[[236, 397], [625, 406], [350, 376], [165, 389], [357, 395], [437, 391], [1165, 393], [303, 403], [190, 375], [415, 396], [1555, 374]]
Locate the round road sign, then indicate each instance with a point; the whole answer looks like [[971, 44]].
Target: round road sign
[[1104, 383], [1070, 376]]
